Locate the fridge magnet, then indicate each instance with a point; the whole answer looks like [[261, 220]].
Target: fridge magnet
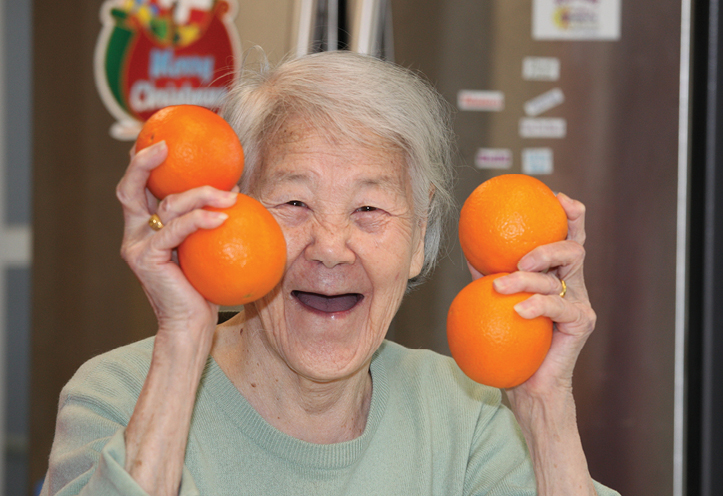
[[155, 53], [493, 158], [543, 127], [541, 69], [482, 101], [576, 19], [537, 161], [543, 103]]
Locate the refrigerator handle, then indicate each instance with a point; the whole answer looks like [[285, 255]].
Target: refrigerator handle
[[305, 16], [371, 28]]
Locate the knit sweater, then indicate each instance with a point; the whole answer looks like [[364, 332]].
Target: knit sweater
[[430, 430]]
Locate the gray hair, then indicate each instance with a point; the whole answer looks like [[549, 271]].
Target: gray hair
[[342, 92]]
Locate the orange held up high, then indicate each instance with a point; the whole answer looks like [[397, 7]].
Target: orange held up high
[[489, 341], [244, 258], [503, 219], [239, 261], [203, 149]]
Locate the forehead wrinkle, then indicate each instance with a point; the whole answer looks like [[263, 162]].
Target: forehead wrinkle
[[387, 182], [383, 168], [290, 176]]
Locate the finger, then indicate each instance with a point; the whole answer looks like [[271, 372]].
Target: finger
[[564, 256], [575, 211], [174, 206], [570, 317], [131, 188], [151, 202], [528, 282], [476, 274], [173, 234]]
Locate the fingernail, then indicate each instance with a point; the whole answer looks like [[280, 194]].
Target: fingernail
[[524, 310], [500, 284], [525, 264], [161, 145], [221, 216], [235, 189], [157, 148], [231, 195]]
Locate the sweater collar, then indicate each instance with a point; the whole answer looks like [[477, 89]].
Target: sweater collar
[[219, 388]]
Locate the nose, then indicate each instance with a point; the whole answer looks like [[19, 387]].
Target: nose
[[329, 243]]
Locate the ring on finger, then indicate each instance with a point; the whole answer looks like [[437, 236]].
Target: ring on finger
[[155, 222], [564, 288]]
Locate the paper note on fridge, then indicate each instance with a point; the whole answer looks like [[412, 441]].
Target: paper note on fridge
[[576, 19], [543, 103], [539, 127], [537, 161], [493, 158], [480, 100], [540, 68]]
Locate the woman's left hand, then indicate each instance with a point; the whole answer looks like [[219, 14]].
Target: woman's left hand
[[541, 271], [544, 405]]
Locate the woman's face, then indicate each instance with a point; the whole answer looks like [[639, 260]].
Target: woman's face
[[353, 241]]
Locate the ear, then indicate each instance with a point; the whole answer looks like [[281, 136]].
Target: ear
[[415, 268]]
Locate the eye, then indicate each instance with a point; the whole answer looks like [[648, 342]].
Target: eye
[[296, 203], [366, 208]]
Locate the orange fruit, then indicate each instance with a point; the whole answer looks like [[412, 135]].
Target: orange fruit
[[241, 260], [505, 218], [490, 342], [203, 149]]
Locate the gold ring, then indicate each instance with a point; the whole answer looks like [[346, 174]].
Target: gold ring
[[155, 222], [564, 289]]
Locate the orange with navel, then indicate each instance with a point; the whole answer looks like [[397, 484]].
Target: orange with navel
[[203, 149], [505, 218], [241, 260], [490, 342]]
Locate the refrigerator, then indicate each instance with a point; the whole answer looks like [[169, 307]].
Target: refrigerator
[[591, 97]]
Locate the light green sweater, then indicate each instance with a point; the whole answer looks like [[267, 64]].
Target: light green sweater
[[430, 431]]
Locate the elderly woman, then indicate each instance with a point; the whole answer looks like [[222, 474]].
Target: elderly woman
[[300, 393]]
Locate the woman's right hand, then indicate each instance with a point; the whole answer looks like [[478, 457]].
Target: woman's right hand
[[150, 254], [157, 432]]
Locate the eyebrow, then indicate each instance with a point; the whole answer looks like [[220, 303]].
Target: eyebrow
[[289, 176], [384, 182], [387, 181]]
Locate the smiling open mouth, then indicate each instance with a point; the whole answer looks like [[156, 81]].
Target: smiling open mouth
[[328, 304]]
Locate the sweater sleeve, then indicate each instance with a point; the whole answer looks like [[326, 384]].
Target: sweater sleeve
[[88, 453], [499, 461]]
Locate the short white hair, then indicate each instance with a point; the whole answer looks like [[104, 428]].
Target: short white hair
[[340, 92]]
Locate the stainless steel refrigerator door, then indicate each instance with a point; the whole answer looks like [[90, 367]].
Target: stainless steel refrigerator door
[[619, 155]]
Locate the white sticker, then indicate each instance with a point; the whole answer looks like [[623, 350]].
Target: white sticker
[[487, 101], [576, 19], [493, 158], [544, 102], [537, 161], [541, 68], [539, 127]]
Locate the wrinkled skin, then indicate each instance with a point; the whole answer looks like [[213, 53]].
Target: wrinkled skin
[[347, 216]]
